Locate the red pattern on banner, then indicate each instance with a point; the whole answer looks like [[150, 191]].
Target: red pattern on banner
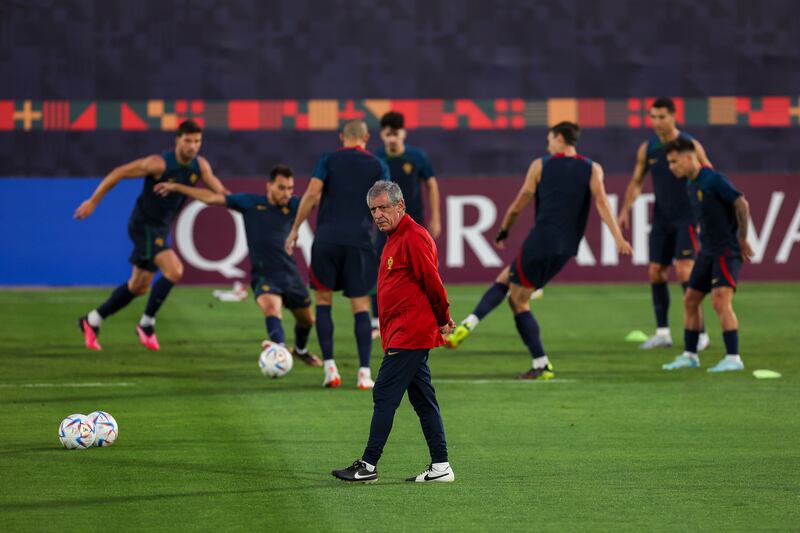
[[87, 120], [6, 114], [243, 115], [129, 120]]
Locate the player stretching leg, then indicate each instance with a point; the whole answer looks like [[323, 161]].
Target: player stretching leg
[[273, 276], [724, 216], [148, 228]]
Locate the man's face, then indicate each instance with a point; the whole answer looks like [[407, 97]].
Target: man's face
[[680, 163], [188, 145], [663, 120], [393, 139], [386, 215], [280, 191]]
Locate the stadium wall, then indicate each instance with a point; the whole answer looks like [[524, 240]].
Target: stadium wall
[[45, 246]]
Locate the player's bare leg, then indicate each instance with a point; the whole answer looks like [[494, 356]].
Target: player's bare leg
[[519, 298], [493, 296], [722, 300], [171, 273], [324, 322], [303, 322], [683, 271], [692, 322], [363, 333]]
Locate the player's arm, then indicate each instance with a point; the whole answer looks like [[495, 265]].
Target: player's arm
[[742, 210], [204, 195], [151, 165], [435, 223], [308, 202], [701, 154], [604, 208], [524, 197], [208, 177], [634, 188]]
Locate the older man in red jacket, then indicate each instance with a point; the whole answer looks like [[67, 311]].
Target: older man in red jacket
[[414, 315]]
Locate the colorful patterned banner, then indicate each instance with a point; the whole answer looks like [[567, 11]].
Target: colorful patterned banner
[[327, 115]]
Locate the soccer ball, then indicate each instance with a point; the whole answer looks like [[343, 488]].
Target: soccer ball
[[275, 361], [76, 432], [105, 427]]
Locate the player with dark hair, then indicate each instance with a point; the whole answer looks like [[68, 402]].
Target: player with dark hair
[[343, 255], [149, 227], [724, 217], [410, 168], [673, 237], [562, 184], [273, 273]]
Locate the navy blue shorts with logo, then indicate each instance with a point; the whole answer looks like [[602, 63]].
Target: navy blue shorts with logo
[[672, 241], [714, 271], [288, 286], [336, 267], [148, 242], [534, 270]]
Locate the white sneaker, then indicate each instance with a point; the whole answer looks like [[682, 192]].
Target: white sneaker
[[703, 342], [365, 379], [657, 341], [432, 474], [332, 377]]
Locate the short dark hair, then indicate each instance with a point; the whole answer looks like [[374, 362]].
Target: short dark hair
[[280, 170], [664, 103], [393, 120], [188, 126], [569, 131], [680, 145]]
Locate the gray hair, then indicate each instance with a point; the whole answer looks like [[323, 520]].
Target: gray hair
[[391, 189]]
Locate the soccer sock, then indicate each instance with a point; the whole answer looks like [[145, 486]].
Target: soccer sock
[[541, 362], [731, 341], [660, 293], [363, 331], [147, 321], [325, 331], [690, 338], [493, 297], [301, 334], [528, 329], [275, 330], [94, 318], [441, 467], [158, 293], [121, 297], [369, 467]]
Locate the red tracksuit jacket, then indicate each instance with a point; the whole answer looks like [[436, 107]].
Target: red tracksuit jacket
[[412, 302]]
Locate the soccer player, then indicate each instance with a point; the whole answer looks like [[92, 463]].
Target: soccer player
[[273, 273], [410, 168], [562, 183], [414, 314], [724, 216], [342, 256], [148, 228], [673, 238]]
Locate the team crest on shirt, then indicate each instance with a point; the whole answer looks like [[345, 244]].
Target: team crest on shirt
[[285, 210], [699, 195], [652, 162], [408, 168], [389, 263], [159, 241], [193, 178], [260, 207], [265, 287]]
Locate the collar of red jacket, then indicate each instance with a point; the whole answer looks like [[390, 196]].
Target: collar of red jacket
[[402, 226]]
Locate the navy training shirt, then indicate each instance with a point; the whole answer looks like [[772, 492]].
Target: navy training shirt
[[156, 210], [409, 170], [266, 227], [672, 204], [562, 204], [347, 175], [715, 195]]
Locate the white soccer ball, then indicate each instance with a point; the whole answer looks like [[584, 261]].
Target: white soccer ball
[[275, 361], [106, 428], [76, 432]]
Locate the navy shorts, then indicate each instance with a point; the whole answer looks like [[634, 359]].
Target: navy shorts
[[534, 270], [148, 242], [714, 271], [288, 286], [673, 241], [336, 267]]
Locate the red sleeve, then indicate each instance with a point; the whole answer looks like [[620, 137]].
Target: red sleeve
[[425, 265]]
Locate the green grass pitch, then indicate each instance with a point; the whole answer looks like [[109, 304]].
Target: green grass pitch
[[207, 443]]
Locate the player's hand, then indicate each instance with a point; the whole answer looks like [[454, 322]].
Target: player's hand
[[85, 209], [747, 250], [291, 242], [499, 240], [164, 188], [624, 247], [435, 228], [624, 219], [448, 328]]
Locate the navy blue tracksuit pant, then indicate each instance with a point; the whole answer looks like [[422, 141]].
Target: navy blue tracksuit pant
[[401, 371]]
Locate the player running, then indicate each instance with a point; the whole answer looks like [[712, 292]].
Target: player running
[[343, 256], [562, 182], [148, 228], [724, 217], [672, 235], [273, 273]]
